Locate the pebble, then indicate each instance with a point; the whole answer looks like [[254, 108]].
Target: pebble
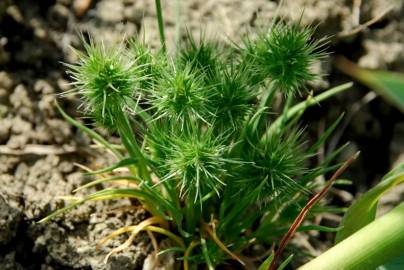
[[80, 7], [111, 11], [5, 80]]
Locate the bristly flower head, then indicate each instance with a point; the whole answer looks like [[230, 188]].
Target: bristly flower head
[[195, 159], [274, 165], [233, 98], [107, 78], [286, 54], [203, 56], [181, 95]]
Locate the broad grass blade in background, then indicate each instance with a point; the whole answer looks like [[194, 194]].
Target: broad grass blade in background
[[389, 85], [363, 211]]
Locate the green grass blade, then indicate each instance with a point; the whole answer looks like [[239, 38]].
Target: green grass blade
[[302, 106], [122, 163], [376, 244], [265, 265], [170, 250], [205, 253], [325, 135], [285, 262], [94, 135], [109, 179], [100, 195], [389, 85], [160, 22], [363, 211]]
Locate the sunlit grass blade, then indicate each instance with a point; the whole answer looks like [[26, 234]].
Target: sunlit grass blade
[[100, 195], [135, 230], [129, 178], [205, 253], [122, 163], [222, 246], [265, 265], [188, 252], [141, 226], [371, 246], [285, 262]]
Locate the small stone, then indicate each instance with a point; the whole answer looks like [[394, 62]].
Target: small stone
[[80, 7], [5, 125], [58, 15], [42, 86], [17, 141], [9, 220], [19, 98], [9, 262], [63, 85], [15, 13], [20, 126], [111, 11], [5, 80]]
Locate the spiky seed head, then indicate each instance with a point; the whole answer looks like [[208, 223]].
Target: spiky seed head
[[274, 166], [145, 59], [203, 57], [108, 80], [195, 160], [286, 54], [233, 98], [150, 65], [181, 95]]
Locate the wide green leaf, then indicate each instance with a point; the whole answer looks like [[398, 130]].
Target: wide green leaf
[[363, 211], [389, 85]]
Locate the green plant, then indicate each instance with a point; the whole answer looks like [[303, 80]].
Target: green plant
[[388, 84], [215, 163], [365, 242]]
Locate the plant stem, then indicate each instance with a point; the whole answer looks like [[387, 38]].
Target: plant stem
[[368, 248], [129, 141], [302, 106], [192, 214], [161, 25], [268, 95], [285, 111], [177, 23]]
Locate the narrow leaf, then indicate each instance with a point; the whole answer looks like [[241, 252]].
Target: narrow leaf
[[105, 194], [389, 85], [265, 265], [302, 106], [285, 262], [123, 163], [130, 178]]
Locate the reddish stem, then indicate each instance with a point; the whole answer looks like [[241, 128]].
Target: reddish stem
[[299, 219]]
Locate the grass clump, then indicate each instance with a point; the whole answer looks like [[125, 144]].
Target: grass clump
[[216, 165]]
